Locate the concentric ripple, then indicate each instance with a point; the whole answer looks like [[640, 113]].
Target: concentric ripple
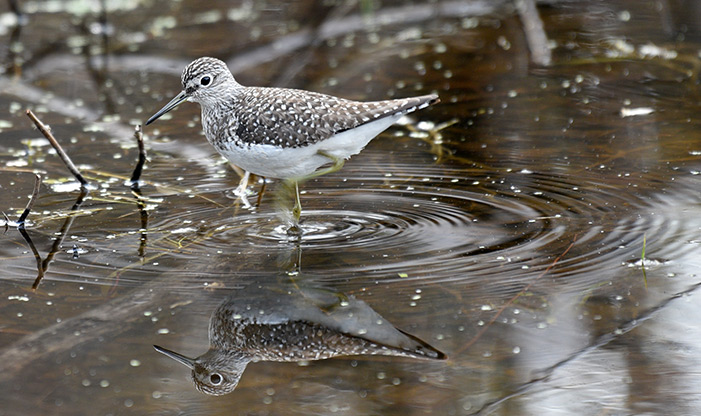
[[437, 225], [448, 226]]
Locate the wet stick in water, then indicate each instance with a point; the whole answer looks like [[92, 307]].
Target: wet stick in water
[[535, 33], [136, 174], [44, 129], [32, 199], [23, 217]]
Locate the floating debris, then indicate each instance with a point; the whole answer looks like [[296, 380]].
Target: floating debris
[[638, 111]]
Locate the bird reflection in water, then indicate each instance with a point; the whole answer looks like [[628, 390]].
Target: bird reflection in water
[[292, 323]]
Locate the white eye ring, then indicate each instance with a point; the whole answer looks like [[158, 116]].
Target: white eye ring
[[216, 379]]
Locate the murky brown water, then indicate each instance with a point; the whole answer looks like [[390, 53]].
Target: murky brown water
[[505, 226]]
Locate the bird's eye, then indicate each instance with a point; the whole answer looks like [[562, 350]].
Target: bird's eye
[[215, 379], [205, 80]]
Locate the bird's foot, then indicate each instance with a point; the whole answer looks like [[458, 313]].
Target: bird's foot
[[295, 231], [242, 194], [242, 191]]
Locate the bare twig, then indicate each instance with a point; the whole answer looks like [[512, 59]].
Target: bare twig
[[50, 137], [32, 199], [136, 175], [535, 33]]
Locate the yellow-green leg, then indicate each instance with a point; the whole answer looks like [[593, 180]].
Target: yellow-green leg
[[297, 208], [337, 163]]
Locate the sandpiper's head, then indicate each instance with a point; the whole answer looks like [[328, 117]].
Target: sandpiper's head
[[215, 372], [206, 80], [203, 78]]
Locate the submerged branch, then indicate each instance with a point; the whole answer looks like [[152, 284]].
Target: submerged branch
[[136, 175], [50, 137]]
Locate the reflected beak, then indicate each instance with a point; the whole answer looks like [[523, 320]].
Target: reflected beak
[[186, 361], [171, 105]]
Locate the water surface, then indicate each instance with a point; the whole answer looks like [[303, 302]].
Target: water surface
[[540, 225]]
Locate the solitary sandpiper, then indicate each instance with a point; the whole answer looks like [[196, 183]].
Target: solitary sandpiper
[[279, 132], [291, 323]]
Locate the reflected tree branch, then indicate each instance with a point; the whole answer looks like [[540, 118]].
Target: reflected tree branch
[[299, 61], [600, 341], [141, 204], [109, 319], [136, 189], [136, 175], [43, 266], [37, 256], [513, 299]]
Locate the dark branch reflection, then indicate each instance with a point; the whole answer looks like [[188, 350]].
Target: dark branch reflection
[[43, 265], [288, 322], [143, 214]]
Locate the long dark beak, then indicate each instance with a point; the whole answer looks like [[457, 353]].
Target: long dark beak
[[171, 105], [186, 361]]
